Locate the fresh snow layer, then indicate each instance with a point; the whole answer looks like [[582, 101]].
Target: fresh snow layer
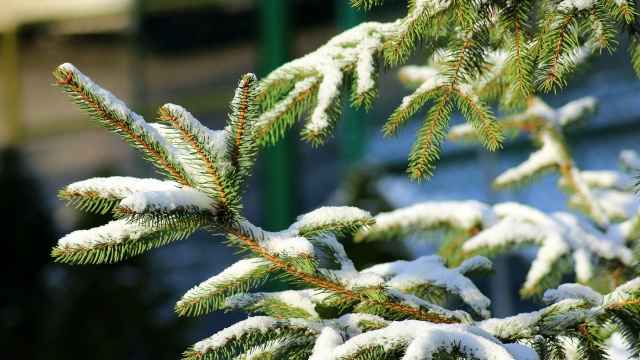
[[550, 154], [460, 214], [354, 46], [289, 242], [302, 299], [257, 324], [422, 339], [216, 140], [184, 199], [431, 270], [569, 5], [328, 339], [231, 274], [114, 232], [417, 74], [330, 215], [566, 114], [134, 121], [120, 186], [558, 235], [572, 291], [608, 179]]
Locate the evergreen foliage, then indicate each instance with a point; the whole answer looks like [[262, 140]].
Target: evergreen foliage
[[481, 53]]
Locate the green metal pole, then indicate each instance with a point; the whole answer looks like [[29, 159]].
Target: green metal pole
[[353, 128], [278, 168], [11, 61]]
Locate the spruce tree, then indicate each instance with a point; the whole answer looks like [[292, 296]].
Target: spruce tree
[[482, 55]]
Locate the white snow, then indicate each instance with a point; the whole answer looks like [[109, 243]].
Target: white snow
[[558, 235], [286, 246], [216, 140], [569, 5], [461, 131], [475, 263], [617, 348], [506, 231], [622, 292], [328, 339], [522, 325], [285, 243], [257, 324], [355, 46], [624, 231], [497, 59], [354, 280], [234, 272], [431, 270], [580, 234], [422, 339], [130, 119], [573, 291], [119, 186], [327, 92], [297, 299], [616, 204], [113, 232], [430, 84], [459, 214], [566, 114], [583, 265], [417, 74], [300, 88], [238, 96], [550, 154], [548, 255], [329, 215], [609, 179], [184, 199], [575, 109]]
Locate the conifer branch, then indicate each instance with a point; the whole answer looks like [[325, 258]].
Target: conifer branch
[[287, 304], [119, 119], [241, 147], [336, 287], [253, 330], [482, 53], [552, 76], [89, 201], [242, 113], [120, 240], [209, 161], [214, 293]]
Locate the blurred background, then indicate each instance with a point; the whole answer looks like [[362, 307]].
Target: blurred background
[[192, 53]]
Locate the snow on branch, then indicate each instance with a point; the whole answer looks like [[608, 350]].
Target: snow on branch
[[111, 112], [102, 194], [428, 216], [120, 239], [545, 125], [215, 292], [574, 306], [201, 149], [284, 304], [167, 201], [316, 80], [561, 236], [254, 330], [429, 273], [420, 340], [332, 219]]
